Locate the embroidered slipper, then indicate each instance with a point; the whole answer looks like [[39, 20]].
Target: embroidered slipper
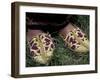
[[81, 36], [41, 48], [75, 38]]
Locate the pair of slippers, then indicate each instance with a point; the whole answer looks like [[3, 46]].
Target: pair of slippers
[[42, 46]]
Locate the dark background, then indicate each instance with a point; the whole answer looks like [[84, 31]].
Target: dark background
[[46, 21]]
